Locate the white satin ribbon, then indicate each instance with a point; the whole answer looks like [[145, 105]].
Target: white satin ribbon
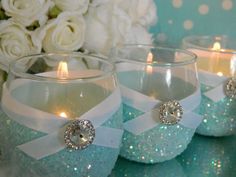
[[146, 104], [54, 126], [213, 80], [53, 143]]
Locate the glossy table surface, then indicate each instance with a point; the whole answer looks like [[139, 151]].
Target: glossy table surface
[[204, 157]]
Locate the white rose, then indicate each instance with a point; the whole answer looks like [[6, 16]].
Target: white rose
[[140, 11], [107, 26], [99, 2], [143, 12], [138, 35], [15, 42], [80, 6], [65, 33], [27, 11], [102, 2]]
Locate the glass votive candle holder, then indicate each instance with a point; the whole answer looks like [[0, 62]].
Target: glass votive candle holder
[[63, 116], [160, 90], [216, 67]]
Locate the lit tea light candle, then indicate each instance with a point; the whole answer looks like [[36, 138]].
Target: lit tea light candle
[[149, 68], [62, 71], [233, 64], [216, 60], [219, 74], [63, 114], [147, 76], [216, 46]]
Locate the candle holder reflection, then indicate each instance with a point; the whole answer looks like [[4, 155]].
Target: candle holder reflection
[[171, 168], [206, 156]]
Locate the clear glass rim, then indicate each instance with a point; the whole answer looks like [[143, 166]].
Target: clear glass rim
[[188, 41], [13, 65], [192, 57]]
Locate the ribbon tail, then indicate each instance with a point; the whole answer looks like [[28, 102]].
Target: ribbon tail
[[140, 124], [191, 120], [210, 79], [54, 142], [190, 103], [103, 111], [138, 100], [108, 137], [43, 147], [216, 94]]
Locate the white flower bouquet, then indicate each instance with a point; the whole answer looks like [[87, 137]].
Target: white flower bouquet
[[35, 26]]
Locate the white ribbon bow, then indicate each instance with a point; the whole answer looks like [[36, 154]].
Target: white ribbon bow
[[54, 125]]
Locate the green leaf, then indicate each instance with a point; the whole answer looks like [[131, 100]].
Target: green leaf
[[54, 12], [3, 16], [33, 26], [5, 75], [38, 67]]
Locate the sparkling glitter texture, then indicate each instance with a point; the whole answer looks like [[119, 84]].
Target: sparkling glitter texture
[[94, 161], [125, 168], [219, 118], [209, 157], [159, 144]]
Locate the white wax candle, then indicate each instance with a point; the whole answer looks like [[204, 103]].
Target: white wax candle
[[72, 98], [222, 63]]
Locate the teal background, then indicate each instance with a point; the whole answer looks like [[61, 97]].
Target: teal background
[[219, 19]]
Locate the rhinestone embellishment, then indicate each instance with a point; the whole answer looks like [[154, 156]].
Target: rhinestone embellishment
[[230, 88], [79, 134], [170, 112]]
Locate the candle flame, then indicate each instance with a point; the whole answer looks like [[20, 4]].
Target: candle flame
[[149, 61], [62, 71], [216, 46], [233, 65], [168, 77], [220, 74], [63, 114]]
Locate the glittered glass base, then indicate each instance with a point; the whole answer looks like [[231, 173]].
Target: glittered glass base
[[92, 161], [204, 157], [219, 118], [159, 144]]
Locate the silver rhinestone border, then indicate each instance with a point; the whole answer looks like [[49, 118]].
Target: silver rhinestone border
[[231, 93], [162, 117], [69, 130]]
